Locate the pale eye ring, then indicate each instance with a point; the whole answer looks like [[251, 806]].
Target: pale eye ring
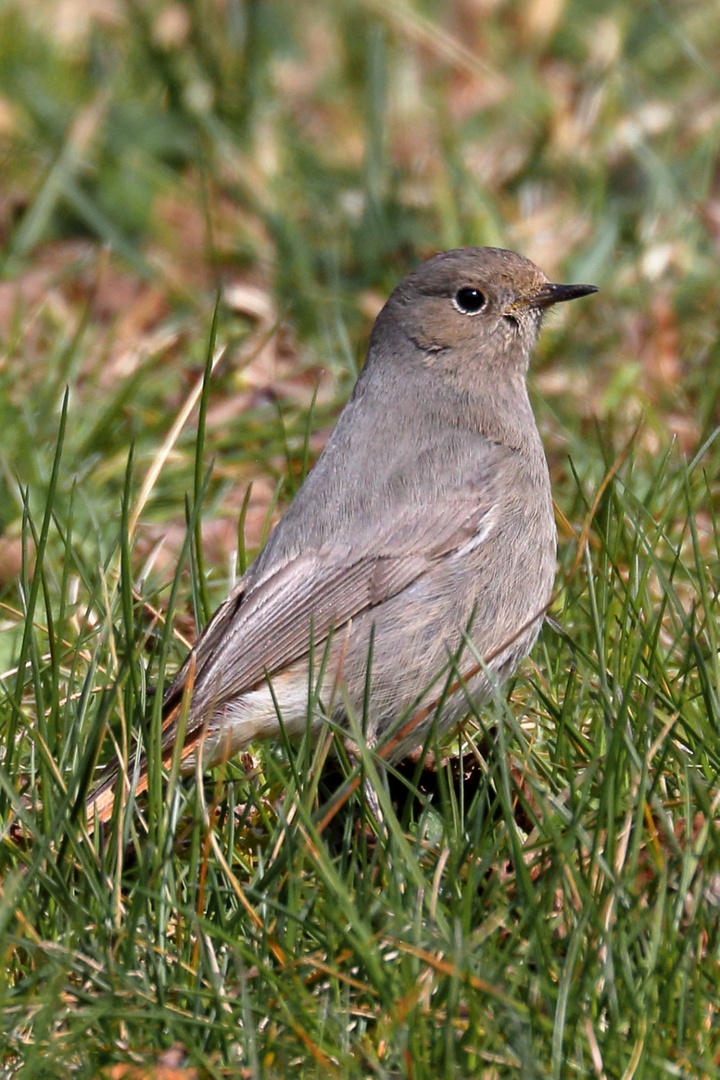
[[469, 301]]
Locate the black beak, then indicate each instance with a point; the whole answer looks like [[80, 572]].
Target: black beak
[[556, 294]]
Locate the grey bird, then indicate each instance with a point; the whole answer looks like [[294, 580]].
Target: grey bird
[[422, 541]]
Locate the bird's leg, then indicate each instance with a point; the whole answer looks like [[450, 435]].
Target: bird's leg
[[371, 799]]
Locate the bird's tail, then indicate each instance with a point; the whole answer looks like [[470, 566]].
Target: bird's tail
[[100, 804]]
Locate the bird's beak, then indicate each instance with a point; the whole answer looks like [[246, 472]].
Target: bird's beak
[[549, 294]]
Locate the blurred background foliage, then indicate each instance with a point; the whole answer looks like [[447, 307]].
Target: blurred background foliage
[[300, 159], [295, 160]]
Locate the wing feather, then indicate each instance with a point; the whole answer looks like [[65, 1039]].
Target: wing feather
[[270, 626]]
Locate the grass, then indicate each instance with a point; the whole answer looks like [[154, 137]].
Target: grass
[[545, 905]]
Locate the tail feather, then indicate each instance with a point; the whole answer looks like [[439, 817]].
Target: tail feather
[[100, 804]]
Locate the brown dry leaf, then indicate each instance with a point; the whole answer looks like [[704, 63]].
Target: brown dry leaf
[[495, 159], [219, 534], [660, 353], [258, 305], [166, 1066], [25, 293], [539, 18], [11, 558], [710, 214], [140, 305], [548, 233]]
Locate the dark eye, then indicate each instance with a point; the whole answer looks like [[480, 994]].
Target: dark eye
[[469, 301]]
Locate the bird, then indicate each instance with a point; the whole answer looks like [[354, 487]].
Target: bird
[[422, 542]]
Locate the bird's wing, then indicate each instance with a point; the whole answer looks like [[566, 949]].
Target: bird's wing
[[271, 626]]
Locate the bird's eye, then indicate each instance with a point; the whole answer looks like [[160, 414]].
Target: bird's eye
[[469, 301]]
